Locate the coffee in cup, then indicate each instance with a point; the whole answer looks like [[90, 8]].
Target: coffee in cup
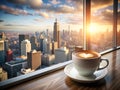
[[86, 62]]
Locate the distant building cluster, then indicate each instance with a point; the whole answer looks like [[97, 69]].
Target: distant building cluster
[[24, 53], [31, 52]]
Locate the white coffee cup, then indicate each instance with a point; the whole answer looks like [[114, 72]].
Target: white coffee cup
[[87, 62]]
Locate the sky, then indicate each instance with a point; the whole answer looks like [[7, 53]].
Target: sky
[[39, 15]]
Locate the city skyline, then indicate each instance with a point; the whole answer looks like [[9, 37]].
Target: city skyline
[[38, 15]]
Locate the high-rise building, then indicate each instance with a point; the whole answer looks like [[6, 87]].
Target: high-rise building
[[25, 47], [61, 55], [2, 52], [9, 55], [47, 46], [37, 35], [34, 42], [2, 36], [71, 50], [56, 33], [48, 59], [6, 45], [41, 42], [34, 59], [14, 66], [21, 38], [54, 46], [3, 74]]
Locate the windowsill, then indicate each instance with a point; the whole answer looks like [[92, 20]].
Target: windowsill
[[38, 73], [29, 76], [109, 50]]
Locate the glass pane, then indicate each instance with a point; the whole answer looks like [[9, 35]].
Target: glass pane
[[51, 27], [118, 25], [101, 27]]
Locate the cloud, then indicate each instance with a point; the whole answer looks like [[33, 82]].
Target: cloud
[[35, 4], [38, 20], [13, 11], [1, 20], [105, 17], [96, 4], [43, 14], [75, 19], [65, 9], [69, 6], [58, 9], [17, 12], [8, 25], [78, 4], [14, 25], [55, 2], [49, 7], [18, 1]]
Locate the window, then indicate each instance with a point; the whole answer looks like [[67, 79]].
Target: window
[[101, 25], [39, 33], [45, 23], [118, 26]]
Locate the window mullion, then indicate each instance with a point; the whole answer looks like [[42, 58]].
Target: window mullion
[[86, 24], [115, 8]]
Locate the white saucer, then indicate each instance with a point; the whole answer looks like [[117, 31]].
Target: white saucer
[[71, 72]]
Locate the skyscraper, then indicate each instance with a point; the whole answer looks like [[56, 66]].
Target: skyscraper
[[47, 46], [41, 42], [6, 45], [25, 47], [2, 36], [34, 43], [37, 35], [14, 66], [34, 59], [48, 59], [3, 74], [54, 46], [61, 55], [21, 38], [2, 52], [56, 33], [9, 55]]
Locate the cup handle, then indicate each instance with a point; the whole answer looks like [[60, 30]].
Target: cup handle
[[105, 65]]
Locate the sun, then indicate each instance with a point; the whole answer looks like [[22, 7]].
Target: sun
[[94, 27]]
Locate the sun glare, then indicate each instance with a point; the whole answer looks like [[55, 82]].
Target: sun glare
[[93, 27]]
